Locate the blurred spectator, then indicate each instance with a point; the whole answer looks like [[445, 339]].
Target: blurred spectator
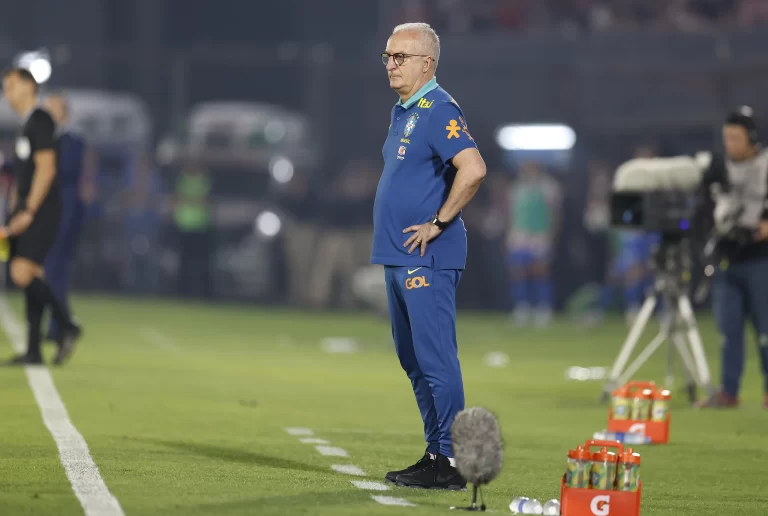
[[752, 13], [301, 238], [534, 210], [192, 216], [680, 17], [70, 165], [628, 270], [345, 243], [414, 10], [485, 221], [512, 15], [141, 227], [598, 207], [458, 16]]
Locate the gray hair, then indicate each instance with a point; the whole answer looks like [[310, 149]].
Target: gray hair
[[428, 37]]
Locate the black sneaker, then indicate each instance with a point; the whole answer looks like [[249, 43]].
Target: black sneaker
[[66, 343], [439, 475], [23, 360], [425, 461]]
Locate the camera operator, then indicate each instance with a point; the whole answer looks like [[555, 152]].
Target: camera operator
[[738, 184]]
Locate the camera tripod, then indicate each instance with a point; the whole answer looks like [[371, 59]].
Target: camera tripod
[[679, 329]]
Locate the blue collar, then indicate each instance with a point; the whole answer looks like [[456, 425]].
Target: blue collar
[[431, 85]]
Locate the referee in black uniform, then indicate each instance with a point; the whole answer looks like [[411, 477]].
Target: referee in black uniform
[[34, 218]]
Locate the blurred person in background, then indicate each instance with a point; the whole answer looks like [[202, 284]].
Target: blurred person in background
[[597, 221], [432, 170], [301, 238], [141, 229], [752, 13], [35, 214], [70, 164], [533, 211], [345, 243], [630, 254], [192, 217]]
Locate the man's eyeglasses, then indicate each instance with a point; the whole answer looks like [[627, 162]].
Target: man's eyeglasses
[[399, 58]]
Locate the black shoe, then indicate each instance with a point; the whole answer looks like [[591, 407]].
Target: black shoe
[[23, 360], [425, 461], [439, 475], [66, 343]]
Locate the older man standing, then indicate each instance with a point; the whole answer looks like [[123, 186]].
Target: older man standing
[[432, 169]]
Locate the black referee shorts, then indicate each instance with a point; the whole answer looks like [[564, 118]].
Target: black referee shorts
[[35, 243]]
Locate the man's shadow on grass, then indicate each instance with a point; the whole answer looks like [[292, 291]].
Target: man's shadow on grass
[[233, 455]]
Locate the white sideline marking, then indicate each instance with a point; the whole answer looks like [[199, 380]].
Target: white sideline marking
[[332, 451], [388, 500], [371, 486], [78, 464], [299, 431], [349, 469], [313, 440], [158, 338]]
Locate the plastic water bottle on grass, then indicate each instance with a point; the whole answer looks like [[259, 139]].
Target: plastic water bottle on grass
[[552, 508], [517, 503], [533, 507], [623, 437]]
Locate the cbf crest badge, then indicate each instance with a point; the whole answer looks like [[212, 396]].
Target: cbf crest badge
[[410, 125]]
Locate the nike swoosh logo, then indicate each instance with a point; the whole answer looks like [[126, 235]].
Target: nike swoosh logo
[[414, 270]]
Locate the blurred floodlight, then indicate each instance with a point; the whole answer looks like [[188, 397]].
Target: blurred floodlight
[[281, 169], [268, 224], [38, 64], [550, 137]]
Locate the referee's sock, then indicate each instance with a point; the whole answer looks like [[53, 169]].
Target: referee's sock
[[34, 319], [41, 291]]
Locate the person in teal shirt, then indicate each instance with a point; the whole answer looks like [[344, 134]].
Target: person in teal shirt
[[534, 218]]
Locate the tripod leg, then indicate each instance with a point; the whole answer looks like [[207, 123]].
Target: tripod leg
[[670, 380], [691, 375], [643, 357], [629, 344], [697, 347]]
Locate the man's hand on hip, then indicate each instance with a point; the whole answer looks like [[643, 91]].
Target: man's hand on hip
[[422, 234]]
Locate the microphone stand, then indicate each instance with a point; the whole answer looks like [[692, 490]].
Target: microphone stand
[[473, 506]]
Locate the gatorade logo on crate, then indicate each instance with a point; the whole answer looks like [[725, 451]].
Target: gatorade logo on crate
[[601, 505], [638, 427]]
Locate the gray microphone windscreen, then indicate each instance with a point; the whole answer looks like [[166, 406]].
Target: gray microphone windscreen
[[477, 445]]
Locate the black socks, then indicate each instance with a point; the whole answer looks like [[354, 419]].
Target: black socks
[[34, 319], [41, 293]]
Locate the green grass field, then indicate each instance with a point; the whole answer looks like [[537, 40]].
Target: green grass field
[[184, 409]]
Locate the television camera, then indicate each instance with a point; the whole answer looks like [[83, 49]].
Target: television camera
[[663, 196]]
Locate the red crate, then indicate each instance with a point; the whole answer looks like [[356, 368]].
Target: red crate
[[597, 502], [658, 431]]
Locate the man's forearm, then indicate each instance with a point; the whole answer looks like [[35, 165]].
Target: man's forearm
[[41, 184], [465, 185]]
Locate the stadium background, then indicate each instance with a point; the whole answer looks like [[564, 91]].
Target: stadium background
[[622, 74], [184, 405]]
